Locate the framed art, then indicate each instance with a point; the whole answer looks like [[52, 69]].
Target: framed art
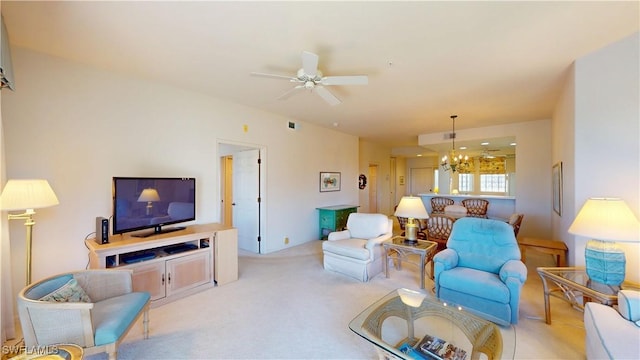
[[329, 181], [556, 175]]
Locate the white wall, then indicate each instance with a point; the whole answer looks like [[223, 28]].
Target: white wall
[[78, 126], [563, 149], [533, 158], [607, 135]]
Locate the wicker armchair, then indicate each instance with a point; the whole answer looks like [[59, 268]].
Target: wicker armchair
[[476, 207], [91, 308], [438, 204], [515, 221], [439, 228]]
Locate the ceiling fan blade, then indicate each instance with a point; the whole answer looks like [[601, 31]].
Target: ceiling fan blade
[[327, 96], [310, 63], [292, 79], [291, 92], [345, 80]]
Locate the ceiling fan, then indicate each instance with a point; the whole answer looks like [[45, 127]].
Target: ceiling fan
[[486, 153], [310, 78]]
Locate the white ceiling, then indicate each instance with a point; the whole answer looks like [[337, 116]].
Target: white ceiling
[[490, 63]]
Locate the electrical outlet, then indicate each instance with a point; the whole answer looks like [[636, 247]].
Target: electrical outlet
[[286, 240]]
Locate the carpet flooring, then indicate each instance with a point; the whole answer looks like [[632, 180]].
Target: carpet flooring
[[286, 306]]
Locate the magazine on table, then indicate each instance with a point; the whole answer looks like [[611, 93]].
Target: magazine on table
[[431, 347]]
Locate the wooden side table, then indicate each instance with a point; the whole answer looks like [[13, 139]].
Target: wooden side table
[[334, 218], [553, 247], [399, 250]]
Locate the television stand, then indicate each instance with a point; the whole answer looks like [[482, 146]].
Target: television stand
[[172, 266], [158, 230]]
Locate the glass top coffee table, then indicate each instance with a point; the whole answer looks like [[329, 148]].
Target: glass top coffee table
[[407, 324]]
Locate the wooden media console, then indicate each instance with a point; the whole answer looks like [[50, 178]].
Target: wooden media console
[[172, 265]]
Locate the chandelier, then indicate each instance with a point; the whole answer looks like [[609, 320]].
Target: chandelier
[[455, 163]]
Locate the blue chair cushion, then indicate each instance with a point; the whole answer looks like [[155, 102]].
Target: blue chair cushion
[[112, 317], [483, 244], [476, 283]]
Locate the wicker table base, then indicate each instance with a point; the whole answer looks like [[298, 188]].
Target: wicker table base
[[390, 322]]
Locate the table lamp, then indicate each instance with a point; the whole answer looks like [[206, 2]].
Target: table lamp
[[27, 195], [411, 207], [606, 221], [149, 195]]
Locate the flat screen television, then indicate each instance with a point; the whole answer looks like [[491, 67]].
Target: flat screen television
[[141, 203]]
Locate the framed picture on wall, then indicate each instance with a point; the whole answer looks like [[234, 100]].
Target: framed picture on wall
[[556, 175], [329, 181]]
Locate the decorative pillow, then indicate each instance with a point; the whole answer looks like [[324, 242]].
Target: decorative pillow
[[69, 292]]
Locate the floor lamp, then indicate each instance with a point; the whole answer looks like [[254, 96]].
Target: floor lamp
[[27, 195]]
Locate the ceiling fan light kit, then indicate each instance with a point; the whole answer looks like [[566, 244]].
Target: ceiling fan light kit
[[310, 78]]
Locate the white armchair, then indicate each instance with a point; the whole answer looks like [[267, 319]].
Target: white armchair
[[357, 251]]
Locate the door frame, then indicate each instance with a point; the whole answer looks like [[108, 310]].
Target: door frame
[[228, 147]]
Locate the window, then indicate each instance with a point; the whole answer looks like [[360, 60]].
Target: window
[[465, 183], [493, 183], [436, 180]]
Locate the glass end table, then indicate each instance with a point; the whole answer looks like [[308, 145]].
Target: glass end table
[[399, 250], [572, 283], [403, 322]]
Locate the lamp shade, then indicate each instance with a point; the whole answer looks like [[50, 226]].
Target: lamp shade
[[411, 207], [27, 194], [149, 194], [606, 219]]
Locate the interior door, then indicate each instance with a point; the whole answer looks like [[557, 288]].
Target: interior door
[[373, 188], [246, 193], [421, 180]]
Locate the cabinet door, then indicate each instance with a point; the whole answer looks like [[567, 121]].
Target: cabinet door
[[150, 277], [327, 222], [188, 271], [226, 256]]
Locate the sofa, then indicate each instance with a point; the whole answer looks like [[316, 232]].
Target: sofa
[[481, 269], [357, 251], [611, 333]]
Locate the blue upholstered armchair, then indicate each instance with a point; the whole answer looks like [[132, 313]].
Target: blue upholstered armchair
[[481, 269]]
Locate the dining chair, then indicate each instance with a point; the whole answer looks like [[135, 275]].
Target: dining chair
[[438, 230], [438, 204], [515, 221], [476, 207]]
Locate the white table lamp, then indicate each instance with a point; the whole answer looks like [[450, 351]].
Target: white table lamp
[[27, 195], [411, 207], [606, 221]]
